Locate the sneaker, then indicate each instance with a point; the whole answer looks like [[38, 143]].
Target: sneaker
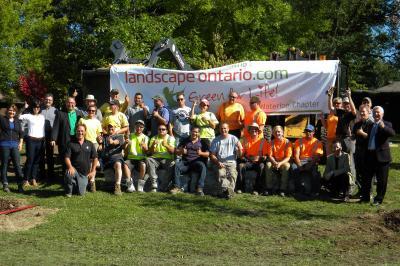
[[131, 187], [6, 189], [68, 195], [34, 183], [266, 193], [199, 192], [140, 187], [238, 191], [153, 190], [117, 190], [255, 193], [93, 187], [376, 203], [282, 194], [175, 190]]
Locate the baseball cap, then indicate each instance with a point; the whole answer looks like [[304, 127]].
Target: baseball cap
[[365, 99], [346, 99], [90, 97], [139, 122], [114, 91], [114, 102], [158, 97], [205, 101], [310, 128], [254, 124]]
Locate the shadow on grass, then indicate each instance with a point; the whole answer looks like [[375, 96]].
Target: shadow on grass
[[395, 166], [249, 207], [43, 192]]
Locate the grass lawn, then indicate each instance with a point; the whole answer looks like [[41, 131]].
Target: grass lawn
[[159, 228]]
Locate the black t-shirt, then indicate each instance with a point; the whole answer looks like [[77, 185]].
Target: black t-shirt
[[366, 127], [81, 155], [343, 125], [112, 151], [192, 148]]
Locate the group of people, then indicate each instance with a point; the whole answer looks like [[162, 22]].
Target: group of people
[[136, 143]]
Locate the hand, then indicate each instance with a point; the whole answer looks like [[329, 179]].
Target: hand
[[330, 91], [20, 146], [141, 105], [221, 165], [52, 143], [91, 175], [71, 171], [99, 139], [360, 132], [165, 142], [278, 165], [127, 98], [194, 103], [381, 124], [348, 92], [198, 151], [204, 119], [110, 141], [155, 113], [143, 144]]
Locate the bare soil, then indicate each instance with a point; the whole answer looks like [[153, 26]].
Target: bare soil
[[22, 220]]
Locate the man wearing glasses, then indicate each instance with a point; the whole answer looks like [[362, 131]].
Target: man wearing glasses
[[161, 150], [159, 116], [232, 113], [180, 125]]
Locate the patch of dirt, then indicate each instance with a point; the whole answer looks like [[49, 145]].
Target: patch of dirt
[[8, 204], [22, 220], [392, 220]]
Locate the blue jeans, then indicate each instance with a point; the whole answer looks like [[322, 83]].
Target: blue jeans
[[34, 152], [77, 181], [183, 167], [6, 153]]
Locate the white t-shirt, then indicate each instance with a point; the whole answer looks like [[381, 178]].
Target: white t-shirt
[[35, 124], [181, 121]]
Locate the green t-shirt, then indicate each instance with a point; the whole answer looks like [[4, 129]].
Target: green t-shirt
[[160, 151], [72, 122], [206, 131]]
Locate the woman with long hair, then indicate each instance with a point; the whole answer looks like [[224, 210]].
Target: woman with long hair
[[10, 145], [34, 143]]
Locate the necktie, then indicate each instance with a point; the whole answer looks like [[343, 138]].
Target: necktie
[[371, 141]]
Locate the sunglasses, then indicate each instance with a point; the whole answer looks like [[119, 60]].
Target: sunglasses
[[180, 99], [162, 129], [91, 111], [232, 97]]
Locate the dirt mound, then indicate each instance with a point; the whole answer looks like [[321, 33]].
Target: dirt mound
[[8, 204], [392, 220], [22, 220]]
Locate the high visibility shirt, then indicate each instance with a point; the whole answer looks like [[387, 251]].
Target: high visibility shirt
[[279, 149], [257, 116], [253, 147], [135, 151], [106, 108], [119, 121], [93, 128], [160, 151], [331, 123], [202, 120], [308, 148], [231, 114]]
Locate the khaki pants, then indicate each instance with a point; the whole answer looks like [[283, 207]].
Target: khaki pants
[[227, 176], [277, 179]]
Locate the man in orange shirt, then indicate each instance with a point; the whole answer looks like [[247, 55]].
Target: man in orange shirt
[[252, 159], [232, 113], [307, 152], [279, 152], [256, 115]]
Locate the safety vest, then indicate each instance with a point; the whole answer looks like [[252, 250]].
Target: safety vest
[[260, 147], [287, 143], [135, 149], [313, 150], [160, 151]]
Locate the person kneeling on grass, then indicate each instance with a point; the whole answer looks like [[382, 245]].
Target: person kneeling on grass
[[81, 161], [194, 152], [112, 145], [137, 149], [337, 172]]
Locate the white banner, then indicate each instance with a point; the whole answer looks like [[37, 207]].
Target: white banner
[[284, 87]]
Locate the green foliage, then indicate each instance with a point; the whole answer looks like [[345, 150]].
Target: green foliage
[[59, 38]]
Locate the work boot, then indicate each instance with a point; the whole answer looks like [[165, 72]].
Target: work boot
[[92, 187], [117, 190], [175, 190], [131, 187], [199, 192], [34, 183], [140, 185]]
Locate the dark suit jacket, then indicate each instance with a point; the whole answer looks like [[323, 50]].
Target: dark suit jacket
[[382, 142], [61, 129]]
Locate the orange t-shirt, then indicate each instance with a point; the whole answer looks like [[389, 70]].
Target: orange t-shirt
[[252, 147], [308, 146], [281, 149], [258, 116], [231, 114], [331, 123]]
